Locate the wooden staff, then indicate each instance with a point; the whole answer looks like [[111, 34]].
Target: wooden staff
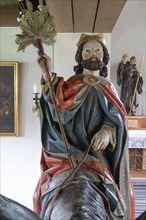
[[38, 45], [136, 85]]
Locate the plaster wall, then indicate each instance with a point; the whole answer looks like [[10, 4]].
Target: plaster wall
[[20, 156]]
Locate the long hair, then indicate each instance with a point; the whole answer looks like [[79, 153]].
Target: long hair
[[78, 58]]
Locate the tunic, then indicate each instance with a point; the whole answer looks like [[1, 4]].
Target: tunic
[[84, 109]]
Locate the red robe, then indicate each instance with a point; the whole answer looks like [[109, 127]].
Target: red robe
[[66, 92]]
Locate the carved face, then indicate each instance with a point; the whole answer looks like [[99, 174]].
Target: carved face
[[92, 50], [133, 61]]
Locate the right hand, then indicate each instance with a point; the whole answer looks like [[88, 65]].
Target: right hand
[[45, 62]]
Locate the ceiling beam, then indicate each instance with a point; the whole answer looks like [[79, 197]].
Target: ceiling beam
[[8, 16], [62, 12], [73, 15], [84, 14], [108, 13]]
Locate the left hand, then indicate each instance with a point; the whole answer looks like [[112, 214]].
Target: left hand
[[100, 140]]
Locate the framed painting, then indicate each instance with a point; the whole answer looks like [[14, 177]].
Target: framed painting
[[8, 98]]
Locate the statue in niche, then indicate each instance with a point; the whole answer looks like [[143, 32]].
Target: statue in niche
[[131, 81]]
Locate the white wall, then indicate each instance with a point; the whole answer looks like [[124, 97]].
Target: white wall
[[129, 36], [20, 156]]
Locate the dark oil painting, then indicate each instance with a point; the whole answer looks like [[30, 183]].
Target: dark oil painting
[[8, 98]]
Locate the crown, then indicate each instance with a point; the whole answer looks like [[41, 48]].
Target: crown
[[87, 37]]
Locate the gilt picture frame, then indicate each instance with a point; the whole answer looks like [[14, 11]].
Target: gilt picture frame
[[9, 99]]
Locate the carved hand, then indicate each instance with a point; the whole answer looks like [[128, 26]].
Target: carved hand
[[45, 61], [101, 139]]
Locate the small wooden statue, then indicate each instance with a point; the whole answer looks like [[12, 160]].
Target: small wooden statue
[[131, 81]]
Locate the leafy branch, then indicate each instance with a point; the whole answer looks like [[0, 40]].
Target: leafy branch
[[35, 25]]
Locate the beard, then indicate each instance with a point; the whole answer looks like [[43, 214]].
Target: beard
[[92, 65]]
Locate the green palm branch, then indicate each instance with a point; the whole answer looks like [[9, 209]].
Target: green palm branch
[[35, 25]]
